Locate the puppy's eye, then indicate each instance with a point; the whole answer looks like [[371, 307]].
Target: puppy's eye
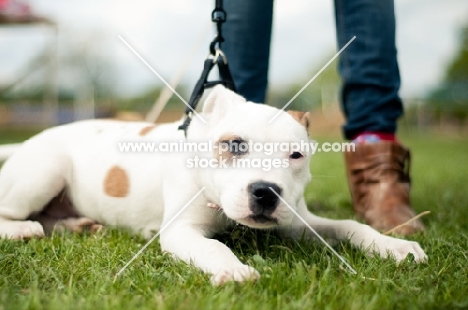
[[296, 155], [236, 146]]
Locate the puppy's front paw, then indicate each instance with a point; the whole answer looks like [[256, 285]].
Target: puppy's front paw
[[240, 273], [399, 249]]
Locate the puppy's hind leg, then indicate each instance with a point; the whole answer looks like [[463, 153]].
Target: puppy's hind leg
[[28, 181], [60, 215]]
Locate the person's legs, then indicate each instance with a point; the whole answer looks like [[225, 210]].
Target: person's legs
[[378, 170], [368, 66], [247, 32]]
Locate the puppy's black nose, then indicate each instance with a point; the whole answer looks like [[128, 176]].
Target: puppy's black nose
[[262, 198]]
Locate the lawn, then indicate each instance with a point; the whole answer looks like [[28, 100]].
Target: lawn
[[77, 271]]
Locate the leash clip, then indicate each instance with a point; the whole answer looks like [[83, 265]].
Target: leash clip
[[218, 53], [218, 16]]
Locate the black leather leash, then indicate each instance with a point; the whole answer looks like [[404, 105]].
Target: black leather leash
[[215, 58]]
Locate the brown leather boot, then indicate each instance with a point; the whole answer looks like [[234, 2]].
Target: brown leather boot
[[378, 176]]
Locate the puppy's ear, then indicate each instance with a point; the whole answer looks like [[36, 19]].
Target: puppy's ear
[[220, 100], [302, 118]]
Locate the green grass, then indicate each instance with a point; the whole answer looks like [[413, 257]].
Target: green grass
[[77, 271], [16, 135]]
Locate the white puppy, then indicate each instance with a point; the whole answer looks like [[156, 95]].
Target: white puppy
[[145, 190]]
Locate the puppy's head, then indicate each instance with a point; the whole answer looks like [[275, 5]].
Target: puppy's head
[[261, 172]]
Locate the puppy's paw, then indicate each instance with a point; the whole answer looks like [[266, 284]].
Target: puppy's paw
[[20, 230], [240, 273], [399, 249], [78, 225]]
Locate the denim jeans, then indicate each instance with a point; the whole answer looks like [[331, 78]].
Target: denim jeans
[[368, 66]]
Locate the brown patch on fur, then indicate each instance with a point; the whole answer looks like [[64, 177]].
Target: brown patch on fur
[[302, 118], [145, 130], [116, 183]]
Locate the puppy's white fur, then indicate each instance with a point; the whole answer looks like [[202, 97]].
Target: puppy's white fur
[[78, 157]]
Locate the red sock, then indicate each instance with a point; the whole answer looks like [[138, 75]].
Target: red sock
[[383, 136]]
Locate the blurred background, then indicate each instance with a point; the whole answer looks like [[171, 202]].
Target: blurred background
[[62, 61]]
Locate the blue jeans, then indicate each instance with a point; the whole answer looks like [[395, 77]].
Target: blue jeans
[[368, 66]]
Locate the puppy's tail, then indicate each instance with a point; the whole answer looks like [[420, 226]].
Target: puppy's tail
[[7, 150]]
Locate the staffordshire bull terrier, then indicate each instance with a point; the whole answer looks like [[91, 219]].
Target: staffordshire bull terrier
[[147, 190]]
